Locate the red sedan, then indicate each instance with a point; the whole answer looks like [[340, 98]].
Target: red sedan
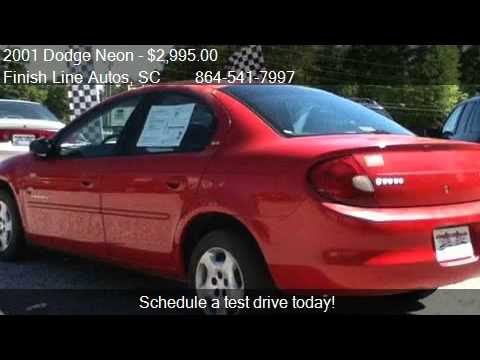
[[248, 186]]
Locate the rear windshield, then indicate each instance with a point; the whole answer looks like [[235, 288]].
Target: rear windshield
[[378, 110], [24, 110], [301, 111]]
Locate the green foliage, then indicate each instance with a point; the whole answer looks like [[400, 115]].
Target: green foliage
[[470, 74], [298, 58], [416, 106], [180, 71], [419, 85], [379, 65], [436, 65], [23, 92], [57, 101]]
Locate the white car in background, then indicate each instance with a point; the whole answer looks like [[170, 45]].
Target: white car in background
[[21, 122]]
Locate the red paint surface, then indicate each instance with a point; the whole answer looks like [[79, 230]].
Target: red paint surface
[[124, 209]]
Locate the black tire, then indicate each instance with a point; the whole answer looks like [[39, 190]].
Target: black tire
[[255, 272], [16, 241]]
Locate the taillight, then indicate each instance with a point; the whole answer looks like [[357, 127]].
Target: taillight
[[343, 181], [4, 135]]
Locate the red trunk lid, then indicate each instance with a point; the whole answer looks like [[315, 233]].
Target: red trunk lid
[[423, 173]]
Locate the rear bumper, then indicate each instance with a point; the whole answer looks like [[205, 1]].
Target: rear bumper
[[340, 247], [8, 148]]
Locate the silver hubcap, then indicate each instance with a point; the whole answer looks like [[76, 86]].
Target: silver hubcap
[[6, 226], [218, 275]]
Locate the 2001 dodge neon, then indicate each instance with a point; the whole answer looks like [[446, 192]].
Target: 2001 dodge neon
[[249, 186]]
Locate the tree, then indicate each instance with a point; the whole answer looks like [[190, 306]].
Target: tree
[[376, 64], [418, 84], [434, 71], [328, 68], [57, 100], [19, 91], [185, 70], [52, 96], [298, 58], [435, 65], [470, 65]]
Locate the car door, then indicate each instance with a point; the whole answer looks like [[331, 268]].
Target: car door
[[62, 191], [472, 126], [450, 129], [462, 131], [145, 193]]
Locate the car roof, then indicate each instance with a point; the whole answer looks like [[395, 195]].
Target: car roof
[[477, 97], [20, 101], [164, 86]]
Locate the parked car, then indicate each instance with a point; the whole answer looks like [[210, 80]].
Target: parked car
[[373, 105], [21, 122], [463, 123], [235, 187]]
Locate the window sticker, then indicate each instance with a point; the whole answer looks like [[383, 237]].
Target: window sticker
[[166, 126]]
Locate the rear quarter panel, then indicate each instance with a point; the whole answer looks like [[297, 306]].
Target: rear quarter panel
[[254, 176]]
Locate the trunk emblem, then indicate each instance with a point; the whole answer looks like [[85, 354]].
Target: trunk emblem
[[446, 189], [388, 181]]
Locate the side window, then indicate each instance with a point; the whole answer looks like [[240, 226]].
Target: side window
[[474, 121], [452, 121], [98, 135], [464, 123], [175, 123]]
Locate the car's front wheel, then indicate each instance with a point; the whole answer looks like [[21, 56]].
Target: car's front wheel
[[225, 264], [11, 235]]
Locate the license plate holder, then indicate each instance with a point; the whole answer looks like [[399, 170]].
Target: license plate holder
[[22, 140], [453, 243]]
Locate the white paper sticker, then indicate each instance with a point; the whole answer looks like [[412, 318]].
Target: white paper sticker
[[166, 126], [367, 129]]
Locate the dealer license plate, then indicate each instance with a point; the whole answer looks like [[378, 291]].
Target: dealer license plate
[[453, 243], [22, 140]]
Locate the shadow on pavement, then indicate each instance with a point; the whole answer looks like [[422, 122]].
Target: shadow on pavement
[[47, 282], [384, 305]]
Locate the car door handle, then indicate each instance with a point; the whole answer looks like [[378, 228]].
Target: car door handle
[[175, 184], [87, 184]]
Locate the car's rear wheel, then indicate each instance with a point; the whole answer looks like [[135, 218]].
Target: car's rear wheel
[[224, 263], [12, 242]]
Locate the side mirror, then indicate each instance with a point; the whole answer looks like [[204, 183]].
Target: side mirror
[[41, 147]]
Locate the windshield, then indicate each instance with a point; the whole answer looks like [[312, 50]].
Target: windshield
[[302, 111], [24, 110]]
